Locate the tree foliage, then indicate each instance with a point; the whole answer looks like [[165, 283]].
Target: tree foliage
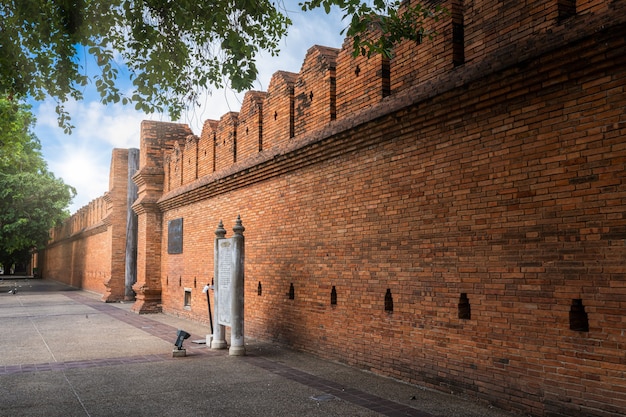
[[32, 199], [174, 50], [375, 27]]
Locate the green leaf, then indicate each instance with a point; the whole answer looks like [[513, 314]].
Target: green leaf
[[169, 47]]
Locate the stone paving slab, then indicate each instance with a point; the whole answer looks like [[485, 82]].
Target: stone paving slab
[[65, 353]]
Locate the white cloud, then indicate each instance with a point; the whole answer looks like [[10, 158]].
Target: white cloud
[[83, 158], [117, 126], [86, 170]]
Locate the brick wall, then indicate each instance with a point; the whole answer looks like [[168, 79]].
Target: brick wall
[[206, 149], [151, 181], [226, 141], [482, 204], [278, 109], [82, 263], [116, 225], [416, 62], [361, 82], [172, 163], [250, 125], [190, 159], [315, 101], [88, 251], [463, 229]]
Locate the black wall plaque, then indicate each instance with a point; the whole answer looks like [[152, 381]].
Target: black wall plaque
[[175, 236]]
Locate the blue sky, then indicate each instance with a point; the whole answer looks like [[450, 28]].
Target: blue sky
[[83, 158]]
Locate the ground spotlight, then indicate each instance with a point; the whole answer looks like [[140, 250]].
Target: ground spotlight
[[180, 337]]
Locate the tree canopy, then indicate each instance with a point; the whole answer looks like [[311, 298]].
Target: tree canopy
[[174, 50], [32, 199]]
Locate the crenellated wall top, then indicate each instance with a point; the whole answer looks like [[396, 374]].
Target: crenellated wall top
[[333, 88], [333, 85]]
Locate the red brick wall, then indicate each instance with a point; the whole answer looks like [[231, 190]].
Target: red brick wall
[[500, 183], [116, 226], [278, 123], [361, 81], [206, 148], [88, 251], [592, 6], [314, 91], [226, 141], [190, 159], [511, 204], [174, 167], [82, 262], [250, 125], [155, 138], [415, 62], [489, 25]]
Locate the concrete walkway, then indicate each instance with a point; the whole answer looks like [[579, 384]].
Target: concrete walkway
[[65, 353]]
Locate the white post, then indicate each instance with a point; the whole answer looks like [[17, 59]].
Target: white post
[[237, 347], [219, 334]]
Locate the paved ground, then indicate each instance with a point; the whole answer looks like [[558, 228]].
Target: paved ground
[[65, 353]]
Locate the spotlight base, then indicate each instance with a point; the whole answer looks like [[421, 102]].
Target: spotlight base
[[179, 353]]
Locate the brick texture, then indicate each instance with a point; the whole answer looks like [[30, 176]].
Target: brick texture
[[314, 90], [415, 62], [88, 251], [226, 141], [155, 137], [250, 125], [463, 229], [361, 81], [190, 159], [278, 109], [206, 148]]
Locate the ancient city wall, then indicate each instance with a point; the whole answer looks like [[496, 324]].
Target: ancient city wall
[[88, 250], [454, 216]]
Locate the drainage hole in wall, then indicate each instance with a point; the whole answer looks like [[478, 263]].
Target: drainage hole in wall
[[578, 319], [465, 312], [292, 292], [388, 301]]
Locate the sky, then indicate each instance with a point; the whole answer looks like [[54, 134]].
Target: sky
[[83, 158]]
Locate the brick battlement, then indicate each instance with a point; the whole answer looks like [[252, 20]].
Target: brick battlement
[[87, 218], [332, 85]]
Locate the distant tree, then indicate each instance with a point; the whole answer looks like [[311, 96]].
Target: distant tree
[[174, 50], [32, 200]]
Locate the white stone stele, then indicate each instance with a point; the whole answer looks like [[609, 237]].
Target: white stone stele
[[229, 289]]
